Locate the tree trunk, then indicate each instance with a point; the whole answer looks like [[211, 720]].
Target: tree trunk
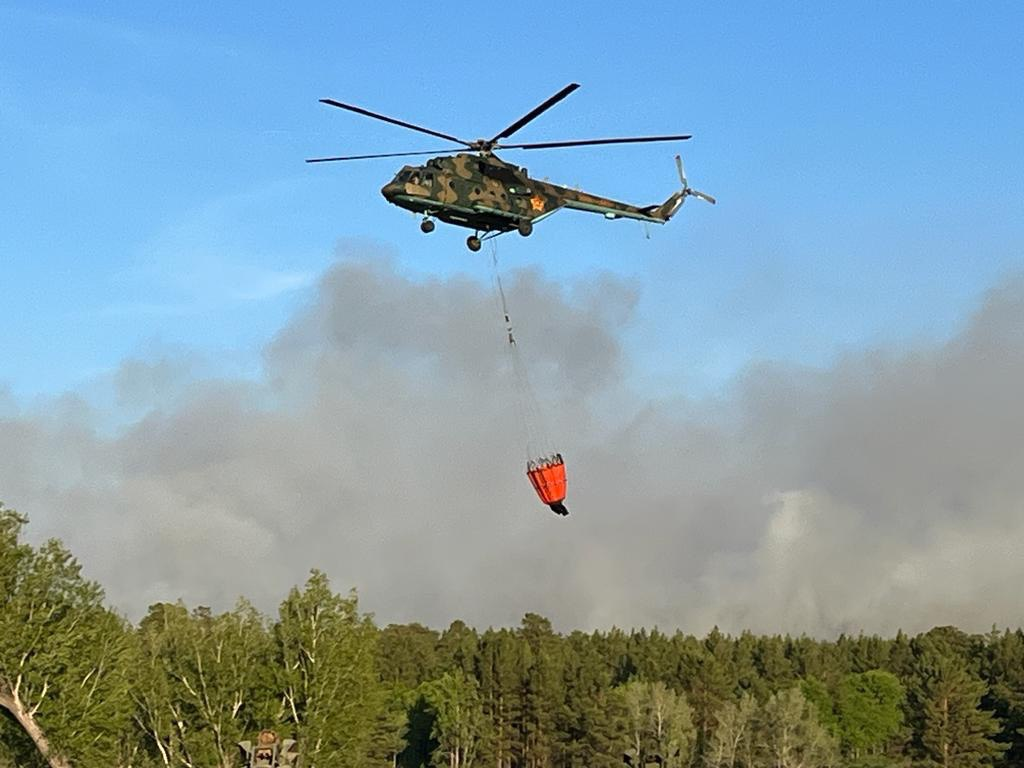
[[945, 732], [12, 704]]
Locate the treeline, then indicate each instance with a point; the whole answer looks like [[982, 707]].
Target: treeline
[[80, 686]]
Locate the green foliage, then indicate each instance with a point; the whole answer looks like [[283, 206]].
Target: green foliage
[[200, 682], [407, 654], [870, 711], [420, 744], [454, 698], [61, 652], [589, 723], [773, 666], [660, 725], [952, 730], [324, 657], [390, 727], [16, 748], [709, 678], [187, 683], [539, 666], [1003, 671], [457, 649], [500, 676], [815, 691], [789, 734], [733, 743]]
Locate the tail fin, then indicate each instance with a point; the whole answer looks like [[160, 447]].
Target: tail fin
[[666, 210]]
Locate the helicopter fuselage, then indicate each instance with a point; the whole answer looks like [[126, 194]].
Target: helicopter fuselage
[[486, 194]]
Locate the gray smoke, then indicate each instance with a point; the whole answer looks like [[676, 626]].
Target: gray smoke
[[383, 443]]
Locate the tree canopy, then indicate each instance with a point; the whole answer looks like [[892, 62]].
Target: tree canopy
[[81, 686]]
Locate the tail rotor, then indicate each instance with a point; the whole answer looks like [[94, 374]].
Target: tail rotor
[[687, 190]]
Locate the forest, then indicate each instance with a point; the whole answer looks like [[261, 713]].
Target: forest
[[82, 686]]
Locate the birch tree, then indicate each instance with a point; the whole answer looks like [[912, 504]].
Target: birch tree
[[458, 719], [732, 743], [203, 682], [661, 725], [60, 653], [790, 736], [325, 662]]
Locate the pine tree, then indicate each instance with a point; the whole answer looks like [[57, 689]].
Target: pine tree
[[407, 655], [589, 724], [457, 649], [773, 667], [953, 730], [868, 652], [900, 659], [743, 665], [390, 727], [709, 682], [810, 658], [615, 647], [499, 692], [540, 690], [1003, 669]]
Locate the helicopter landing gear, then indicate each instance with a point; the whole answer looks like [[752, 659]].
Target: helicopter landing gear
[[427, 226], [473, 243], [525, 227]]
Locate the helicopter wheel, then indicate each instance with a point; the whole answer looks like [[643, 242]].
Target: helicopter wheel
[[473, 243], [525, 227], [426, 226]]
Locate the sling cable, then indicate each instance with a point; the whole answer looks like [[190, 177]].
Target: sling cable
[[545, 467]]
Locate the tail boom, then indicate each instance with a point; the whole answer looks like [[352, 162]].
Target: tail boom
[[614, 209]]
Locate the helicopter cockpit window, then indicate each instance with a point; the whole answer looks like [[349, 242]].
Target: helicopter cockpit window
[[428, 179], [404, 175]]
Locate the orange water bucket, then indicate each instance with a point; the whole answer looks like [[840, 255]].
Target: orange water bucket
[[548, 478]]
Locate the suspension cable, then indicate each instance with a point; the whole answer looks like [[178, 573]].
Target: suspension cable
[[530, 416]]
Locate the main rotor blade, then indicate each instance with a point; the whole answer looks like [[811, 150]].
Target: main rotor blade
[[536, 111], [393, 121], [386, 154], [590, 142]]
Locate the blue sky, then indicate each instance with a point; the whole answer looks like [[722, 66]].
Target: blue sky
[[867, 160]]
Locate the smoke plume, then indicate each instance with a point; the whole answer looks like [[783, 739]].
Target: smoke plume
[[382, 443]]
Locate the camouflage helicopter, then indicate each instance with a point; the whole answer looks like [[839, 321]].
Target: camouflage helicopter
[[471, 187]]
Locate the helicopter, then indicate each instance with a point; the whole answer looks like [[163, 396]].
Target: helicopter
[[471, 187]]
